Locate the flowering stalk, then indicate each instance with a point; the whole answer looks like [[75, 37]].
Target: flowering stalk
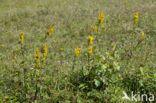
[[90, 41], [44, 51], [50, 30], [76, 53], [93, 29], [37, 60], [135, 18], [21, 37], [100, 18], [90, 48]]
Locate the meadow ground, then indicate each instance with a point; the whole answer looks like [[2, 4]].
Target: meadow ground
[[77, 51]]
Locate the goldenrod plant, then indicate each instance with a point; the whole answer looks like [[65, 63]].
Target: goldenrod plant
[[136, 19], [21, 37], [76, 54], [50, 30]]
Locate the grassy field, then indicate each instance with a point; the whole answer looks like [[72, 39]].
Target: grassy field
[[77, 51]]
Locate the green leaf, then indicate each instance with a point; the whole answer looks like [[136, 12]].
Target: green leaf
[[103, 79], [85, 71], [154, 75], [96, 82], [82, 86], [142, 69], [116, 66]]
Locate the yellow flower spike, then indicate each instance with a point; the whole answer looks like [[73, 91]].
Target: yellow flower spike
[[44, 51], [14, 55], [142, 35], [50, 30], [37, 54], [94, 27], [90, 39], [90, 49], [37, 57], [38, 62], [21, 37], [102, 26], [100, 18], [76, 51], [136, 15]]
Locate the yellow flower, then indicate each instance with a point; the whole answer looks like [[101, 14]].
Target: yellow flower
[[102, 26], [76, 51], [44, 50], [142, 35], [15, 56], [37, 57], [61, 49], [37, 54], [50, 30], [21, 37], [90, 39], [2, 45], [136, 15], [100, 18], [90, 49], [94, 27], [6, 97]]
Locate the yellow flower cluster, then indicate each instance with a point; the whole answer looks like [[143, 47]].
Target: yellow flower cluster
[[44, 50], [100, 18], [94, 27], [90, 49], [37, 57], [14, 55], [21, 37], [90, 39], [136, 15], [50, 30], [142, 35], [76, 51]]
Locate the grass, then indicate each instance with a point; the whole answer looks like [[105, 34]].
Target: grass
[[120, 61]]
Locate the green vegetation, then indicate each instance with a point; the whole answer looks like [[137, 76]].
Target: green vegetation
[[77, 51]]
